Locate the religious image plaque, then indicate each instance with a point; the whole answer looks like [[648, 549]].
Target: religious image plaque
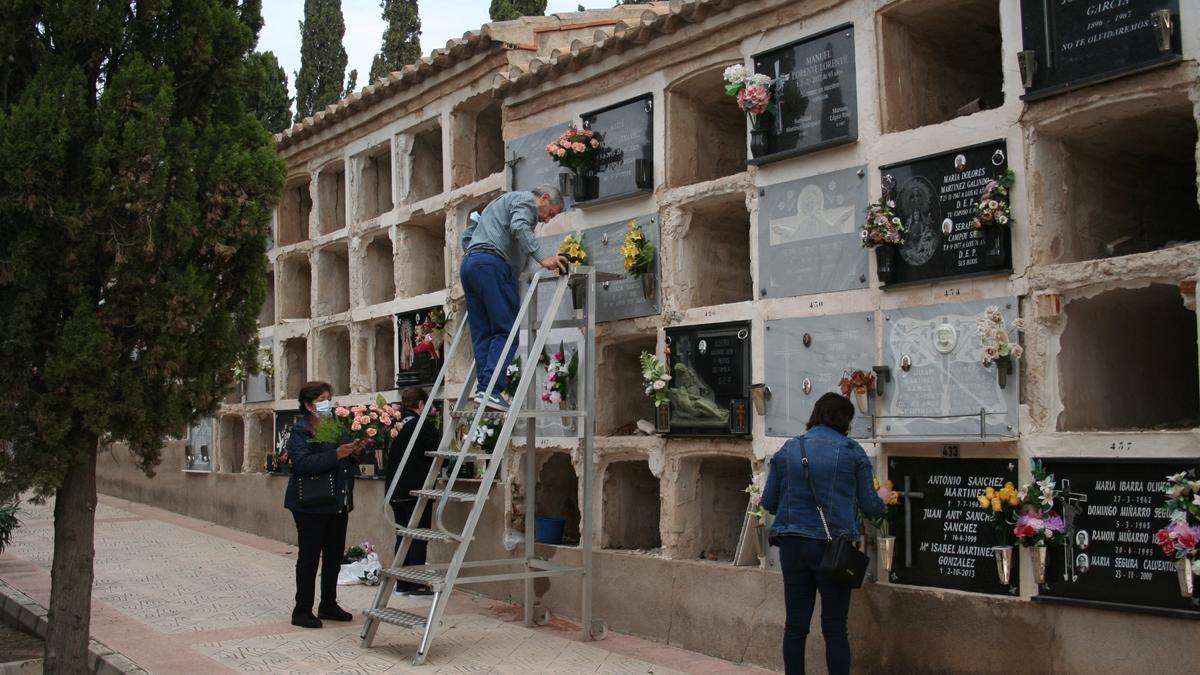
[[710, 386], [199, 449], [943, 538], [284, 420], [936, 197], [627, 131], [1112, 508], [808, 234], [420, 356], [815, 96], [1074, 43]]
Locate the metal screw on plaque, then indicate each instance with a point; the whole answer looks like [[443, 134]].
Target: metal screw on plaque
[[862, 278], [860, 173], [762, 292], [762, 192], [605, 285]]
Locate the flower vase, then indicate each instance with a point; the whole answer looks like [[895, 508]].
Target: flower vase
[[860, 397], [662, 418], [885, 262], [1187, 578], [1039, 564], [758, 143], [1004, 562], [578, 292], [1004, 368], [994, 248], [585, 186], [649, 285], [566, 183], [887, 550]]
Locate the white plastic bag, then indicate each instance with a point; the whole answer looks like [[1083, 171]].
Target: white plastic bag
[[365, 571]]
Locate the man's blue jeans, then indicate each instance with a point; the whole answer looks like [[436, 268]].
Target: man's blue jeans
[[492, 304]]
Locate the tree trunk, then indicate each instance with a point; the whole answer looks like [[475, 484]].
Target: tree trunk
[[71, 573]]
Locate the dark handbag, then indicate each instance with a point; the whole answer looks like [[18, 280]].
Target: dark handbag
[[842, 563], [316, 490]]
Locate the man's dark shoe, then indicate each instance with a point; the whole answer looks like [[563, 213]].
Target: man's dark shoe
[[334, 613], [305, 619], [420, 591]]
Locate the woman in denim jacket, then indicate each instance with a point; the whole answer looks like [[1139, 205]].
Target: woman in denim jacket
[[844, 481]]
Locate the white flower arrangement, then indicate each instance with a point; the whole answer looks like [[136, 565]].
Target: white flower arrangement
[[656, 377], [993, 334]]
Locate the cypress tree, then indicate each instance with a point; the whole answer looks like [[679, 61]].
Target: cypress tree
[[136, 191], [401, 38], [507, 10], [322, 58], [267, 92]]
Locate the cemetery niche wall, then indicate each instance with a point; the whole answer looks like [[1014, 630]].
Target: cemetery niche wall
[[1112, 508], [710, 386], [816, 102], [1073, 44], [935, 198], [421, 335], [943, 538], [626, 165], [808, 237]]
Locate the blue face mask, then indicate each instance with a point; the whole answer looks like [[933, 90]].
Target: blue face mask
[[324, 408]]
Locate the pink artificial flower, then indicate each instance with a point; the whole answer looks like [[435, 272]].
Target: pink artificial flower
[[553, 377], [374, 416], [595, 143], [565, 142], [546, 397], [371, 431], [558, 356], [754, 99], [341, 412], [356, 427], [395, 433], [578, 147], [1186, 537]]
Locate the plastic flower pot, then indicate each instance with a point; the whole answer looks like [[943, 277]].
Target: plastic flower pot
[[1039, 564], [1004, 562], [758, 143], [887, 550], [860, 397], [1187, 578], [649, 285], [885, 262], [1004, 368], [549, 529]]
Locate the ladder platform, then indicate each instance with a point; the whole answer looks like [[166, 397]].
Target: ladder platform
[[451, 454], [396, 617], [422, 533], [435, 579], [524, 414], [452, 496]]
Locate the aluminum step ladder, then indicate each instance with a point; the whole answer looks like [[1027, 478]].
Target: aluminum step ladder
[[442, 578]]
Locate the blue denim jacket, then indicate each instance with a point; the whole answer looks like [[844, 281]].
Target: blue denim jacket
[[843, 477]]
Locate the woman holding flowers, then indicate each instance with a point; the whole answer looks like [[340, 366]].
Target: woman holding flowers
[[320, 529], [844, 481]]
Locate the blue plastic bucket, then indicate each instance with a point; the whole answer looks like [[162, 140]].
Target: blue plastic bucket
[[549, 529]]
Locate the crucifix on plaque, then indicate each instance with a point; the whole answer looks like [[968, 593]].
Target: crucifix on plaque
[[511, 163], [1070, 501], [908, 496]]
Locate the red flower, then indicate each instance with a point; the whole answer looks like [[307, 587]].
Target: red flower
[[1024, 531], [1187, 538], [1163, 539]]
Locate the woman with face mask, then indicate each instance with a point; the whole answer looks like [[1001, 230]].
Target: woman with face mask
[[320, 527]]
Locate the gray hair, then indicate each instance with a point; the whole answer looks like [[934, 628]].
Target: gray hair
[[556, 198]]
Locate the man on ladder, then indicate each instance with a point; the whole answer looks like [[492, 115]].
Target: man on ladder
[[496, 247]]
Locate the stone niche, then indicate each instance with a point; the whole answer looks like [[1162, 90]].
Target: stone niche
[[939, 59], [294, 208], [713, 257], [1118, 179], [619, 400], [231, 450], [333, 360], [266, 316], [425, 163], [632, 506], [293, 363], [382, 336], [478, 140], [260, 441], [711, 506], [331, 186], [333, 279], [375, 182], [378, 270], [422, 242], [700, 115], [558, 493], [1128, 361], [295, 287]]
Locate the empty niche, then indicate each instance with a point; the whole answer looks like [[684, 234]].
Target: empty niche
[[714, 254], [631, 506], [940, 59], [620, 371], [295, 287], [294, 363], [716, 507], [266, 316], [1128, 361], [700, 115], [383, 354], [333, 279], [261, 440], [331, 185], [294, 208], [558, 494], [375, 182], [231, 452], [379, 273], [1119, 179], [425, 161], [333, 358], [478, 138], [421, 244]]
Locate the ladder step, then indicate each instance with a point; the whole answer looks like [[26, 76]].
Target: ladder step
[[397, 617], [435, 579], [521, 414], [422, 533], [470, 456], [452, 496], [487, 414]]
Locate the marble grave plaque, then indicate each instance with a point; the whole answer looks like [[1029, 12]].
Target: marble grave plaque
[[200, 450], [627, 131], [528, 165], [261, 387], [808, 234]]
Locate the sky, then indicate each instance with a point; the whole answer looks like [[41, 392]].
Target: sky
[[441, 20]]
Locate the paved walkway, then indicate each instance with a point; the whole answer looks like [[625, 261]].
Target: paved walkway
[[178, 595]]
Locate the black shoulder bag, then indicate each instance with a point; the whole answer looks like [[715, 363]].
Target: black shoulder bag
[[316, 490], [842, 563]]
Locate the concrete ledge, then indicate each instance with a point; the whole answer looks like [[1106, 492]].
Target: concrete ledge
[[19, 610]]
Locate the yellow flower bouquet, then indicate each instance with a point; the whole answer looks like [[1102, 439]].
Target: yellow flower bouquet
[[637, 251], [1003, 505]]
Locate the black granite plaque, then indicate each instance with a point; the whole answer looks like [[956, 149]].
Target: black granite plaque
[[815, 95], [943, 538], [418, 364], [1080, 42], [529, 165], [936, 198], [710, 385], [283, 431], [1112, 509], [627, 131], [200, 449]]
